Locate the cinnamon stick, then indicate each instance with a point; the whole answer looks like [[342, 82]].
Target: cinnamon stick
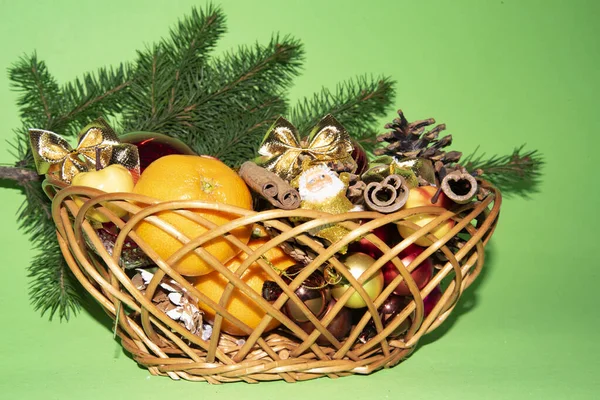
[[270, 186], [386, 196], [459, 186]]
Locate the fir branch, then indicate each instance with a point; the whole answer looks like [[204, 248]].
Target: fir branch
[[53, 289], [235, 86], [44, 104], [147, 108], [239, 72], [39, 93], [100, 94], [34, 213], [193, 40], [357, 104], [246, 84], [244, 134], [161, 92], [516, 174], [21, 175]]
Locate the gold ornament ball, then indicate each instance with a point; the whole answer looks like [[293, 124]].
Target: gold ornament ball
[[357, 264]]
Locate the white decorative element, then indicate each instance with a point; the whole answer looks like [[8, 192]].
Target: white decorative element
[[319, 183], [175, 298], [357, 208], [146, 275], [185, 309], [206, 332], [175, 313], [406, 163]]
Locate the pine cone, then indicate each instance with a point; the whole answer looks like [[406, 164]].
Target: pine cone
[[409, 140]]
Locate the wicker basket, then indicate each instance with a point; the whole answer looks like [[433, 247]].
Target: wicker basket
[[166, 348]]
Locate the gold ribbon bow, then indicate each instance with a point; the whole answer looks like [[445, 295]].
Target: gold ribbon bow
[[283, 153], [98, 147]]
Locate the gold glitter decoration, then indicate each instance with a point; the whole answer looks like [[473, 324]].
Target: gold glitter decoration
[[286, 155], [98, 147]]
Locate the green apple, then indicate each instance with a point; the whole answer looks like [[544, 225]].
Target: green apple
[[112, 179], [357, 263]]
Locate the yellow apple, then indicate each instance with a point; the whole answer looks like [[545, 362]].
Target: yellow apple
[[112, 179], [421, 197]]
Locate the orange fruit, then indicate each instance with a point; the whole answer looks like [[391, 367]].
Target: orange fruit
[[187, 177], [240, 305]]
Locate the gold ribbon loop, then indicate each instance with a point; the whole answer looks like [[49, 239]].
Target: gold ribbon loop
[[98, 147], [50, 149], [284, 153]]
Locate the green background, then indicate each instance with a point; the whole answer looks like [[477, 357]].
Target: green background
[[498, 73]]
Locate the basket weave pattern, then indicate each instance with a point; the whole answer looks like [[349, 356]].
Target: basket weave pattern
[[166, 348]]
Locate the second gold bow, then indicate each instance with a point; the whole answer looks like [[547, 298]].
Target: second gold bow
[[98, 147], [284, 153]]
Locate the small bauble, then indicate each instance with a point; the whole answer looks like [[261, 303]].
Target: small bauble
[[357, 264], [391, 307], [313, 292], [151, 146], [338, 327]]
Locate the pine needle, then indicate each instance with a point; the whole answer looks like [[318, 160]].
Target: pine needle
[[517, 174]]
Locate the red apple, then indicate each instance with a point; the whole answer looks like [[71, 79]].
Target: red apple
[[421, 197], [421, 274], [387, 233], [360, 156], [152, 146], [431, 300]]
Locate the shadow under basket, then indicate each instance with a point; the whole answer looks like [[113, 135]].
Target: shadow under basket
[[166, 347]]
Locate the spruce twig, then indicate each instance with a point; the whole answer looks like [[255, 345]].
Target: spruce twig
[[45, 104], [39, 93], [162, 93], [357, 104], [159, 92], [86, 97], [53, 289], [245, 97], [518, 173]]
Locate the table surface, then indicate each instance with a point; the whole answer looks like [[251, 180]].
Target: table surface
[[498, 73]]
